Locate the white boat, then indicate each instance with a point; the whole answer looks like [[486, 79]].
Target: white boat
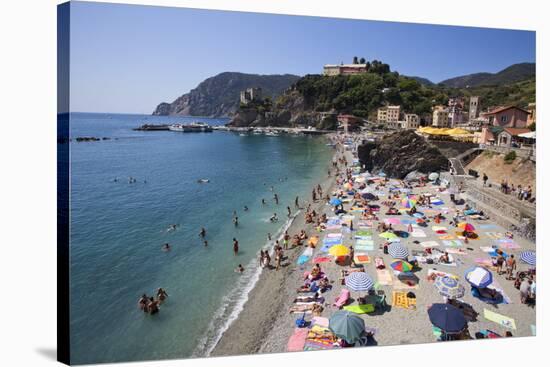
[[179, 128], [272, 133]]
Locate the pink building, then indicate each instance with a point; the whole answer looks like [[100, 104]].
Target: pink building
[[510, 116]]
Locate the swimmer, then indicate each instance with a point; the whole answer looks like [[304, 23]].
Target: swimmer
[[166, 247], [263, 201], [205, 243], [236, 221], [161, 295], [202, 233], [274, 218], [245, 208], [239, 269]]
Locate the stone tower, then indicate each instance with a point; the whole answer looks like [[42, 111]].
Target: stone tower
[[474, 108]]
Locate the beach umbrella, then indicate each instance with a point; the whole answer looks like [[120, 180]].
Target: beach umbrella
[[359, 281], [346, 325], [368, 196], [449, 287], [468, 227], [339, 250], [529, 257], [401, 266], [447, 317], [398, 251], [393, 221], [408, 203], [433, 176], [478, 277], [388, 235], [335, 202]]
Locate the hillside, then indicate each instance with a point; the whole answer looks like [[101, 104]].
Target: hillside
[[511, 74], [218, 96]]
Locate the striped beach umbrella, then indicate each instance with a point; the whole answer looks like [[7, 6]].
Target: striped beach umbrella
[[401, 266], [359, 281], [468, 227], [339, 250], [398, 251], [449, 287], [529, 257], [478, 277]]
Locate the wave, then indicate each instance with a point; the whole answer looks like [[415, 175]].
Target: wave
[[233, 303]]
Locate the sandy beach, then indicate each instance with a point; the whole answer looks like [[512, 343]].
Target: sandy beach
[[265, 325]]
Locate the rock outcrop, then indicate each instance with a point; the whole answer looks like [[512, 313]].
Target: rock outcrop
[[402, 152], [219, 96]]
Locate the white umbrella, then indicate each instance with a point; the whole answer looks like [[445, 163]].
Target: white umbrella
[[529, 135]]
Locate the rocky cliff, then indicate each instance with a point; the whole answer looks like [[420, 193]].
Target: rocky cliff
[[402, 152], [219, 96]]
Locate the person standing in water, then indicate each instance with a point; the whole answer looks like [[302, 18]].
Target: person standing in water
[[202, 233], [289, 212], [296, 203], [235, 246], [263, 201], [236, 221], [161, 295], [205, 243], [276, 198]]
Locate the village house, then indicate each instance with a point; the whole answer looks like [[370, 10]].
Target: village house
[[532, 118], [412, 121], [389, 114], [440, 117], [250, 95], [509, 116], [348, 122], [344, 69]]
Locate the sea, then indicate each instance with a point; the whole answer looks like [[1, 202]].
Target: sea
[[118, 226]]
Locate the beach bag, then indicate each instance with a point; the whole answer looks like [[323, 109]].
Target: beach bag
[[301, 322]]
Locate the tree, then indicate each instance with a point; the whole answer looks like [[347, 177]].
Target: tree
[[355, 60], [362, 60]]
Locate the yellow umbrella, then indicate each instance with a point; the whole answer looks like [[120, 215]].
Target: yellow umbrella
[[388, 235], [339, 250]]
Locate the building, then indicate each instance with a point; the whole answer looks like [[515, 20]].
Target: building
[[412, 121], [509, 137], [474, 108], [455, 107], [388, 114], [395, 125], [251, 94], [510, 116], [344, 69], [532, 118], [440, 116], [348, 122]]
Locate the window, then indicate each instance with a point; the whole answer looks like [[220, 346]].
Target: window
[[503, 118]]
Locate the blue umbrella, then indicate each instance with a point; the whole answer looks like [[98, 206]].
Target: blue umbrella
[[529, 257], [346, 325], [398, 251], [335, 202], [479, 277], [449, 287], [447, 317], [359, 281]]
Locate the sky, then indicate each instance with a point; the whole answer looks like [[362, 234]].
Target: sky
[[129, 58]]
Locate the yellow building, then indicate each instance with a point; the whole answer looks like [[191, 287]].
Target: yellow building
[[389, 114]]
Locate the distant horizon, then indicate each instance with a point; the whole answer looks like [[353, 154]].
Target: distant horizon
[[129, 58]]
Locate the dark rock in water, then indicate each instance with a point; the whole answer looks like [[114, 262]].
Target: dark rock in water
[[400, 153], [87, 138]]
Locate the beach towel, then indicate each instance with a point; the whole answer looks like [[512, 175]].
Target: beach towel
[[440, 273], [486, 249], [497, 287], [333, 227], [502, 320], [367, 247], [360, 309], [494, 235], [364, 241], [399, 284], [384, 277], [439, 228], [437, 202], [453, 243], [332, 241], [418, 233], [509, 245], [321, 259], [427, 244], [320, 321], [361, 259], [408, 221], [457, 251], [400, 299], [297, 340], [447, 237], [302, 259], [333, 235], [363, 233]]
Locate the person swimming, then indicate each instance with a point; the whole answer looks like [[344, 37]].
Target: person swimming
[[161, 295], [245, 208], [239, 269], [202, 233], [274, 218], [166, 247]]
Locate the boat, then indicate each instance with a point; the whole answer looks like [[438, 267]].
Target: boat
[[203, 180], [194, 127], [272, 133]]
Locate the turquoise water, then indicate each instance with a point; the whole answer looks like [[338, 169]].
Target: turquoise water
[[118, 228]]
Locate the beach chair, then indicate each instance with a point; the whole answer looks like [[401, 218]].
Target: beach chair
[[342, 299]]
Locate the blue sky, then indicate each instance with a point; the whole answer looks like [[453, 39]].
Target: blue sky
[[128, 58]]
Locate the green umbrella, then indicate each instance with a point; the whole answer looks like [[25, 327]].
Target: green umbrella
[[388, 235], [346, 325]]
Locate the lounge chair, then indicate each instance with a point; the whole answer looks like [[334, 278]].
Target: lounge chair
[[342, 299]]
